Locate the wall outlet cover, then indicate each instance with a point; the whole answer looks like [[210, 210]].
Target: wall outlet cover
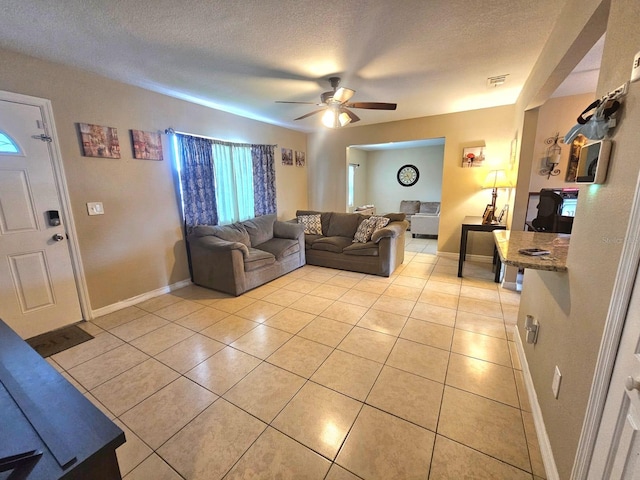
[[555, 385], [635, 70], [95, 208]]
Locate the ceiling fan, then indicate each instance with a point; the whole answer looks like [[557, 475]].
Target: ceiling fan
[[334, 103]]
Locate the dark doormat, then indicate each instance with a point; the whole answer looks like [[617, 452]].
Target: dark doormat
[[54, 342]]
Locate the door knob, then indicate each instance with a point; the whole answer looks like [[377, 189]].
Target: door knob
[[632, 383], [58, 237]]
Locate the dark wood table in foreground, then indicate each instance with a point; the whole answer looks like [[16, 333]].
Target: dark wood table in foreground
[[48, 429], [474, 224]]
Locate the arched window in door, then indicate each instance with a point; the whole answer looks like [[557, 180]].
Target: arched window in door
[[7, 145]]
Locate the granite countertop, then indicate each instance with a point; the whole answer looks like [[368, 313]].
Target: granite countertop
[[509, 242]]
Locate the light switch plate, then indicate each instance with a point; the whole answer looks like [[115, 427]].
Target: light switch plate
[[95, 208], [557, 378], [635, 70]]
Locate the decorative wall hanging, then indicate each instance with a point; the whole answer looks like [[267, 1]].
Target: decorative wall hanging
[[472, 157], [552, 157], [99, 141], [146, 145], [287, 156], [300, 159]]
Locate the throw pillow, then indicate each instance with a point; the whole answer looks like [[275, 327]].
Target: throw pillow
[[312, 225], [365, 229], [381, 222]]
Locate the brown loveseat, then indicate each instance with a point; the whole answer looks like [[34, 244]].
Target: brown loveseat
[[238, 257], [334, 246]]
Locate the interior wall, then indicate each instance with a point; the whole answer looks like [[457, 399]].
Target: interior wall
[[572, 306], [360, 187], [557, 115], [384, 190], [137, 246], [462, 194]]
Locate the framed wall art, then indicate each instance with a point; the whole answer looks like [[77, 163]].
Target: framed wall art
[[300, 159], [472, 157], [287, 156], [99, 141], [146, 145]]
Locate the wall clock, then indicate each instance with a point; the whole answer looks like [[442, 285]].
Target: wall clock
[[408, 175]]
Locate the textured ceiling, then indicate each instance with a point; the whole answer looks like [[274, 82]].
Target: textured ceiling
[[428, 56]]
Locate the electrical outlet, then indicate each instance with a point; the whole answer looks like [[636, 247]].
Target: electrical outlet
[[95, 208], [635, 70], [555, 385]]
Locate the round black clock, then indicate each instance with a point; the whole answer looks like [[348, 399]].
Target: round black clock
[[408, 175]]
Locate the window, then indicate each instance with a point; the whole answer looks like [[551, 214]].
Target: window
[[221, 182], [233, 170], [351, 184], [7, 145]]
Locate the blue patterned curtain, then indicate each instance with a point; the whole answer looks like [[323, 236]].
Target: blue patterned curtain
[[264, 179], [197, 181]]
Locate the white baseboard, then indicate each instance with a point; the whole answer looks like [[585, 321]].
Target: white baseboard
[[470, 257], [515, 286], [139, 298], [541, 431]]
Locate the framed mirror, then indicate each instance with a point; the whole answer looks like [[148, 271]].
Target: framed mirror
[[593, 162]]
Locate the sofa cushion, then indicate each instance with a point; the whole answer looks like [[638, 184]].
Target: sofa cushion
[[309, 239], [287, 230], [280, 247], [257, 258], [369, 249], [332, 244], [232, 233], [368, 226], [343, 224], [203, 230], [432, 208], [410, 206], [260, 229], [365, 229], [325, 218], [312, 225]]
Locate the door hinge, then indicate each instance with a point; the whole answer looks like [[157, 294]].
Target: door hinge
[[43, 137]]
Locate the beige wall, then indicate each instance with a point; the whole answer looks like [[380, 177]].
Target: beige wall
[[572, 306], [461, 192], [557, 115], [137, 245], [360, 189]]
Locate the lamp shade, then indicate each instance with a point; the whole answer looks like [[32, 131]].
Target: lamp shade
[[496, 179], [334, 118]]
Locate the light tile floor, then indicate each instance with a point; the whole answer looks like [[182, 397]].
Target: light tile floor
[[320, 374]]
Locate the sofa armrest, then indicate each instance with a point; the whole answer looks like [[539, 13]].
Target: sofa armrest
[[393, 230], [289, 230], [217, 245]]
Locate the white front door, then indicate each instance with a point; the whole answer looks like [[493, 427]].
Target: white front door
[[617, 451], [38, 290]]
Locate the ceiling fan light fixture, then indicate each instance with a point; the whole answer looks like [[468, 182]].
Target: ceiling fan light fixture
[[334, 118]]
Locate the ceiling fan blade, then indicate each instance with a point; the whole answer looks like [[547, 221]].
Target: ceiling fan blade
[[354, 118], [301, 103], [309, 114], [373, 105], [343, 94]]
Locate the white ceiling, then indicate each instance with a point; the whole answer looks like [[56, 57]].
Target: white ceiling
[[428, 56]]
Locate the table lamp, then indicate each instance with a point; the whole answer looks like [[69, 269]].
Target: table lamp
[[495, 179]]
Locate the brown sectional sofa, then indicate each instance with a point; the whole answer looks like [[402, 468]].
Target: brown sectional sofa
[[242, 256], [335, 247]]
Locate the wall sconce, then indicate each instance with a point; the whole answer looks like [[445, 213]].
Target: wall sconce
[[552, 159]]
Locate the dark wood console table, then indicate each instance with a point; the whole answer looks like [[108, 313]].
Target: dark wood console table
[[49, 430], [474, 224]]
